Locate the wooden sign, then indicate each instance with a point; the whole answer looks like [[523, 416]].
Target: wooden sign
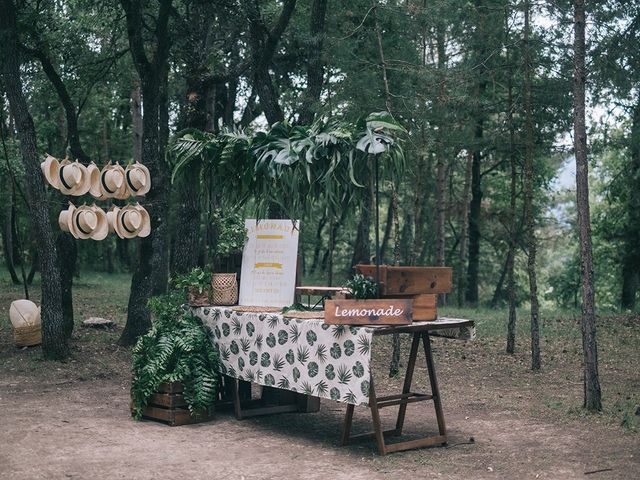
[[269, 261], [368, 312]]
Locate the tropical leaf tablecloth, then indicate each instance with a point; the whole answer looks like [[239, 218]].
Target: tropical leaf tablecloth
[[306, 356]]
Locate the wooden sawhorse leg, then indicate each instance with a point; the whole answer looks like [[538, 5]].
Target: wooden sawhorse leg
[[402, 399]]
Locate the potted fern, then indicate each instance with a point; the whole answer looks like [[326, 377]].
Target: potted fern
[[362, 287], [198, 286], [176, 351], [231, 235]]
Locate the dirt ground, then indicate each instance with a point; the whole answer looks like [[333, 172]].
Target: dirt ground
[[71, 420]]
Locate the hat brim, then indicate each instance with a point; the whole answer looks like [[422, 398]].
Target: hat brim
[[118, 225], [119, 193], [74, 224], [145, 227], [80, 188], [50, 168], [94, 180], [102, 229], [64, 219], [146, 187]]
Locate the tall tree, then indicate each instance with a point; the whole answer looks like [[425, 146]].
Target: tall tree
[[150, 272], [592, 395], [528, 195], [54, 340]]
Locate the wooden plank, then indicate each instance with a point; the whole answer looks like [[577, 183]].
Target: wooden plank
[[172, 387], [175, 417], [410, 280], [425, 307], [368, 312], [419, 443], [168, 400]]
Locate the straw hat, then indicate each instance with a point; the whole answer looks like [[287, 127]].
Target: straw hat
[[50, 168], [138, 179], [112, 182], [129, 221], [23, 313], [72, 178], [84, 222], [94, 180]]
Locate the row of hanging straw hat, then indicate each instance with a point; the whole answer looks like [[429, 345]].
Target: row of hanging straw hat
[[113, 181], [92, 222]]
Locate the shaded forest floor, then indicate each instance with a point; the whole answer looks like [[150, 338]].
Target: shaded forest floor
[[71, 420]]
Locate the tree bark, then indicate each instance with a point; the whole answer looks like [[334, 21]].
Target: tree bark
[[592, 395], [528, 198], [513, 237], [54, 340], [151, 266], [7, 243], [263, 44], [136, 121], [462, 254], [315, 66], [471, 295]]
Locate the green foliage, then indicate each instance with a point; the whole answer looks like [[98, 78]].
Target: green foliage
[[362, 287], [231, 232], [176, 349], [197, 278]]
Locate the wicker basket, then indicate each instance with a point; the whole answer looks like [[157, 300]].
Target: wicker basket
[[225, 288], [195, 298], [28, 335]]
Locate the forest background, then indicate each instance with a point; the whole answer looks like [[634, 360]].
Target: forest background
[[484, 90]]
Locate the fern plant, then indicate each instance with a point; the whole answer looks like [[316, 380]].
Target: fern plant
[[177, 348]]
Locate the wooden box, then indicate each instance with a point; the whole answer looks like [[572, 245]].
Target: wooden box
[[425, 307], [409, 281], [169, 406]]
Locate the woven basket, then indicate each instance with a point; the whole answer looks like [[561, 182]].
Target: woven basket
[[197, 299], [28, 335], [225, 288]]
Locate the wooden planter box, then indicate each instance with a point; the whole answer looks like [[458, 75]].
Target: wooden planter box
[[169, 406], [423, 284], [196, 298]]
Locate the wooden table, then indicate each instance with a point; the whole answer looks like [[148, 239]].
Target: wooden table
[[237, 334], [419, 331]]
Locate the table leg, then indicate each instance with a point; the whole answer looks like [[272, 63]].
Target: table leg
[[408, 378], [437, 402], [346, 426], [375, 415], [237, 408]]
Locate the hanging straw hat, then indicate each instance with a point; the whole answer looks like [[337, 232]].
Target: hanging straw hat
[[50, 168], [138, 179], [129, 221], [84, 222], [23, 313], [94, 180], [112, 182], [72, 178]]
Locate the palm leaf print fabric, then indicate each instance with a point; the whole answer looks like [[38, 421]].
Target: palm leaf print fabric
[[305, 356]]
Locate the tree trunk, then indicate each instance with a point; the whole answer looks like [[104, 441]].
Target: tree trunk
[[592, 396], [54, 340], [151, 265], [136, 121], [318, 243], [7, 243], [315, 67], [387, 232], [528, 198], [462, 255], [513, 237], [66, 245], [471, 295], [362, 245]]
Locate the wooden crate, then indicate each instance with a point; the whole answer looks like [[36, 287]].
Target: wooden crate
[[169, 406], [410, 281], [425, 307]]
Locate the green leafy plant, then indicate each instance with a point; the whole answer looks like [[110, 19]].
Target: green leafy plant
[[231, 232], [177, 348], [197, 278], [362, 287]]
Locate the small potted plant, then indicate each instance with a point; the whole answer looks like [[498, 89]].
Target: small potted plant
[[231, 235], [198, 285], [362, 287], [176, 355]]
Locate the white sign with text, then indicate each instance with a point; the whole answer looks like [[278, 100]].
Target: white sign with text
[[269, 262]]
